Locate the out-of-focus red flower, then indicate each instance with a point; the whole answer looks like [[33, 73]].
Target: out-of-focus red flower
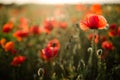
[[103, 38], [80, 7], [49, 25], [93, 21], [63, 25], [14, 51], [51, 50], [23, 24], [54, 43], [96, 8], [7, 27], [18, 60], [90, 36], [119, 31], [23, 21], [21, 34], [9, 46], [113, 26], [112, 30], [35, 30], [112, 33], [2, 42], [107, 45]]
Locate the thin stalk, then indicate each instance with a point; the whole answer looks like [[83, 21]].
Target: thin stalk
[[92, 61]]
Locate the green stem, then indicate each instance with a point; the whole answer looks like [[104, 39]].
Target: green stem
[[93, 50], [92, 62]]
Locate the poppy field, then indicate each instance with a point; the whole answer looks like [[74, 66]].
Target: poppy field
[[60, 42]]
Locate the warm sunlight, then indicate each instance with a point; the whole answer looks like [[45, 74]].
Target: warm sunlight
[[58, 1], [59, 39]]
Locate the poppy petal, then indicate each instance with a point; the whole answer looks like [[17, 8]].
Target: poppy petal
[[102, 22], [83, 25]]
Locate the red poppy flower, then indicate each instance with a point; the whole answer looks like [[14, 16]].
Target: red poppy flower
[[9, 46], [49, 25], [96, 8], [119, 31], [2, 42], [103, 38], [49, 52], [13, 51], [112, 33], [54, 43], [107, 45], [23, 22], [35, 30], [63, 25], [20, 34], [18, 60], [7, 27], [93, 21], [90, 36], [113, 26]]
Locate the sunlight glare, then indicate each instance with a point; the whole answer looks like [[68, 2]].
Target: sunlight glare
[[58, 1]]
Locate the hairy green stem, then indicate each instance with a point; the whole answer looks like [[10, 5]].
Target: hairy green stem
[[92, 61]]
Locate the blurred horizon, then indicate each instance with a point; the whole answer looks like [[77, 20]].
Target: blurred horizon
[[59, 1]]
